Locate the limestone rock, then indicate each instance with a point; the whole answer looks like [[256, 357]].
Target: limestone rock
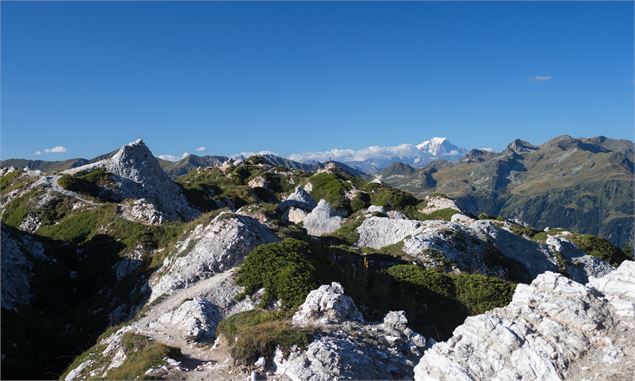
[[471, 244], [210, 249], [434, 203], [294, 215], [300, 199], [378, 232], [327, 304], [18, 251], [376, 209], [142, 211], [138, 175], [619, 288], [258, 182], [461, 218], [322, 220], [196, 319], [350, 349], [540, 335]]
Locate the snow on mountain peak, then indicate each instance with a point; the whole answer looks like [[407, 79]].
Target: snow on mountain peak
[[375, 158]]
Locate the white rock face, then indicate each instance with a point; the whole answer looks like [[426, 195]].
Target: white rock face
[[210, 249], [300, 199], [378, 232], [142, 211], [461, 219], [579, 264], [139, 176], [437, 203], [16, 273], [350, 349], [327, 304], [322, 220], [294, 215], [619, 288], [376, 209], [196, 319], [470, 244], [257, 182], [540, 335]]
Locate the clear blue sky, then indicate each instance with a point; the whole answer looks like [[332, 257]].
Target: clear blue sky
[[293, 77]]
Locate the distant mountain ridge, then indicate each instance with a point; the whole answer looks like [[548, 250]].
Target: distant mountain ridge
[[375, 158], [583, 184]]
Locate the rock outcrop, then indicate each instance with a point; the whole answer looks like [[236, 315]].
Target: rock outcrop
[[142, 211], [322, 220], [346, 347], [210, 249], [195, 319], [480, 246], [17, 252], [434, 203], [553, 329], [327, 304], [138, 175], [300, 199]]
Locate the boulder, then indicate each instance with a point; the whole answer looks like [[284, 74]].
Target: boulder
[[195, 319], [300, 199], [327, 304], [346, 347], [322, 220]]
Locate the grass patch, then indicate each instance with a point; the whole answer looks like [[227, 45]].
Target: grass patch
[[142, 354], [17, 210], [257, 333]]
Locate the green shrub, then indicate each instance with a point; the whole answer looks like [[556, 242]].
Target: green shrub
[[598, 247], [142, 354], [347, 232], [288, 271], [330, 187], [542, 236], [441, 214], [523, 230], [391, 198], [436, 302], [90, 183], [360, 201]]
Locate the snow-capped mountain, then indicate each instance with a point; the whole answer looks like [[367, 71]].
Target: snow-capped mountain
[[375, 158]]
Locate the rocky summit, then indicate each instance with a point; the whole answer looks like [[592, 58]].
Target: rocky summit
[[258, 267]]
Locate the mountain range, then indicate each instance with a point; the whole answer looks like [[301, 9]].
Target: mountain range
[[262, 267], [583, 184]]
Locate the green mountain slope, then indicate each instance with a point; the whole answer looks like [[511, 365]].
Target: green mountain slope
[[585, 185]]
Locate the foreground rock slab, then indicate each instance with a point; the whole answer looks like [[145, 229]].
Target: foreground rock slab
[[553, 329]]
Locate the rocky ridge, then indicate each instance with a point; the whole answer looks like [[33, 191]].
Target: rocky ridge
[[210, 249], [138, 175], [346, 347], [551, 330]]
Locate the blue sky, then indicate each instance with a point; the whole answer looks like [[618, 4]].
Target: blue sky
[[294, 77]]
